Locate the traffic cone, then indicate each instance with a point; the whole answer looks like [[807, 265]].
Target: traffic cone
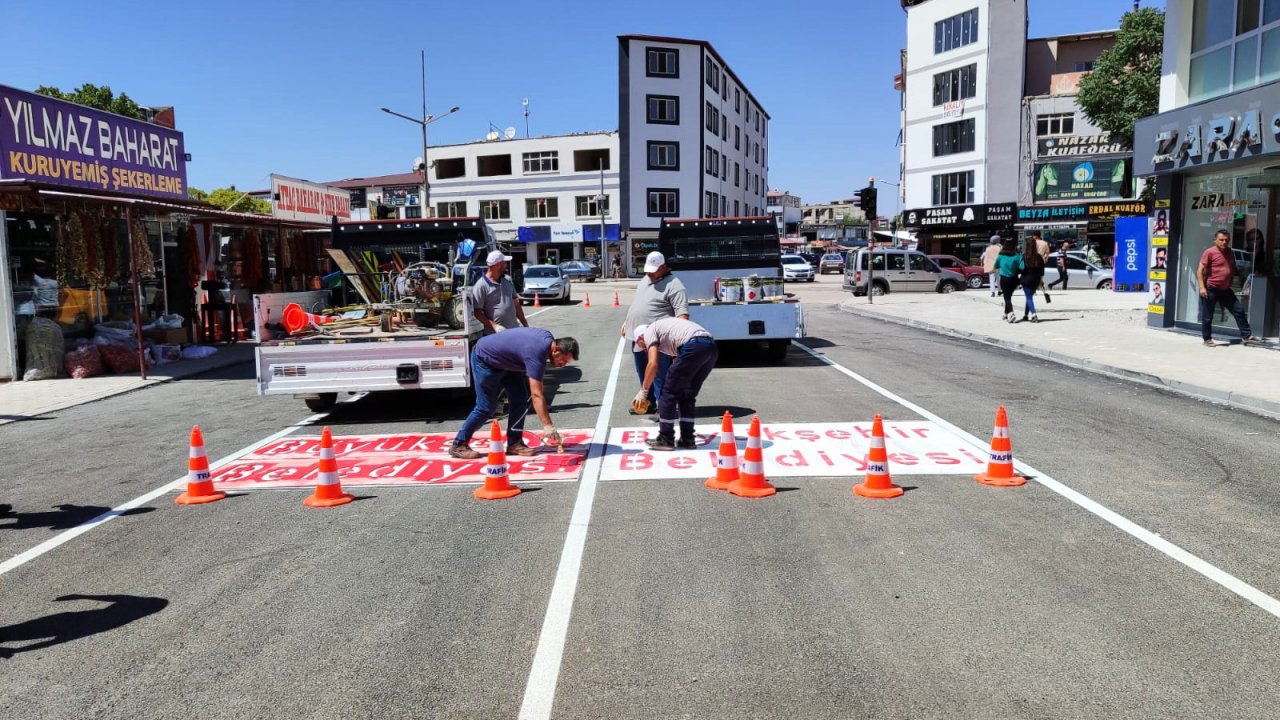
[[727, 458], [878, 483], [751, 482], [587, 302], [199, 481], [1000, 466], [615, 299], [328, 488], [496, 484], [537, 301]]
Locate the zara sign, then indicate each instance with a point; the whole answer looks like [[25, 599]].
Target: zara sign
[[1240, 126]]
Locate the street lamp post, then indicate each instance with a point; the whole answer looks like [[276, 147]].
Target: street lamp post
[[424, 122], [601, 199]]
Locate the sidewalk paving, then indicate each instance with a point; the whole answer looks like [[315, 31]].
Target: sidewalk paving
[[29, 400], [1098, 331]]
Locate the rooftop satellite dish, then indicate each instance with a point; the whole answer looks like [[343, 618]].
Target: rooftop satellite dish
[[525, 101], [493, 135], [417, 163], [509, 133]]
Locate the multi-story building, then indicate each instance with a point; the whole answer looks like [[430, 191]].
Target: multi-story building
[[963, 90], [695, 141], [552, 195], [1214, 154], [784, 207], [826, 224]]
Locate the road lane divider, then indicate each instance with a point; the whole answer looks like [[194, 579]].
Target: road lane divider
[[1224, 579]]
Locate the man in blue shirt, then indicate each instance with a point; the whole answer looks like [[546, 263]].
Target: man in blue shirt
[[513, 360]]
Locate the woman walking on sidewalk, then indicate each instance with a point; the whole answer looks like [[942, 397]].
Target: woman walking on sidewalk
[[1009, 266], [1032, 279]]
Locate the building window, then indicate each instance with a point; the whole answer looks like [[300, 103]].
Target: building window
[[724, 206], [662, 62], [957, 84], [954, 137], [713, 119], [953, 188], [737, 137], [737, 101], [956, 31], [713, 161], [663, 202], [724, 127], [737, 174], [1055, 124], [542, 162], [663, 109], [735, 209], [713, 76], [495, 209], [451, 209], [664, 155], [1235, 44], [709, 204], [724, 167], [589, 206], [411, 213], [1084, 66], [541, 208]]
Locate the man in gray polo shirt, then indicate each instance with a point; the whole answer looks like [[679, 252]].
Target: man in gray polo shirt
[[493, 298], [659, 295]]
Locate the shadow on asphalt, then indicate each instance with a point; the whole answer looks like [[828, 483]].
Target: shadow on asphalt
[[25, 418], [64, 627], [718, 411], [64, 517]]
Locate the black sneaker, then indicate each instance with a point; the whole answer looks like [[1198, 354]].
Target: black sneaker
[[661, 443], [463, 452], [687, 444]]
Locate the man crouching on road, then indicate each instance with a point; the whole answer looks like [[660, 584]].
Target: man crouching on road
[[513, 360], [694, 353]]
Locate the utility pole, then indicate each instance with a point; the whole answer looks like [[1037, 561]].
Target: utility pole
[[424, 121], [600, 207]]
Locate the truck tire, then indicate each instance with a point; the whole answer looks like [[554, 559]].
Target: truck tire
[[456, 313], [323, 402], [778, 350]]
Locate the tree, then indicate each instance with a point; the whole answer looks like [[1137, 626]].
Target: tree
[[96, 97], [230, 198], [1125, 82]]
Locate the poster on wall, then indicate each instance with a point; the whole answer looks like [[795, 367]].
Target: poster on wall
[[1131, 255], [1155, 301], [1091, 179]]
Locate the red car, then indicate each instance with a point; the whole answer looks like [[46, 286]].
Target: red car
[[974, 275]]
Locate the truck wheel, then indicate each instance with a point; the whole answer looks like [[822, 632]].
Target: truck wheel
[[456, 313], [778, 350], [323, 403]]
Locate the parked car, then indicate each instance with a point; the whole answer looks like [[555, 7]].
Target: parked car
[[546, 282], [831, 261], [795, 267], [580, 270], [1080, 272], [811, 258], [974, 275], [897, 270]]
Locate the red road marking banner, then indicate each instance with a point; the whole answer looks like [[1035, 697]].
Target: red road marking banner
[[799, 450], [403, 459]]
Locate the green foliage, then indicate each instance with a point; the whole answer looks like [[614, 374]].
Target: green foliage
[[231, 199], [95, 97], [1125, 83]]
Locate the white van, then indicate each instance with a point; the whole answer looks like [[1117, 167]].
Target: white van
[[897, 270]]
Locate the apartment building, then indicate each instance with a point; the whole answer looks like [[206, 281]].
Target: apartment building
[[695, 140], [784, 207]]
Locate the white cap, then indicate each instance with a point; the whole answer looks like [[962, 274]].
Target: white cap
[[654, 261], [496, 257], [639, 332]]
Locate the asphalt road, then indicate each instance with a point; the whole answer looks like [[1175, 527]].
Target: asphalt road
[[653, 598]]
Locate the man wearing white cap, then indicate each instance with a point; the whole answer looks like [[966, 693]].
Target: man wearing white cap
[[659, 295], [493, 297], [692, 353]]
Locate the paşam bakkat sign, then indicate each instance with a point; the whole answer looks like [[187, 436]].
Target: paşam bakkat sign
[[56, 142], [302, 201]]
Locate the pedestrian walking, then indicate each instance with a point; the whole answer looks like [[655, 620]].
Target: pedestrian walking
[[514, 361], [616, 268], [1062, 265], [1214, 274], [659, 294], [693, 354], [1032, 279], [989, 264], [1009, 267], [1042, 248], [493, 297]]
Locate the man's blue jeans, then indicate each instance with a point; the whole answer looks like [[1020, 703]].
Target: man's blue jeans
[[642, 362], [489, 384], [1227, 299], [678, 401]]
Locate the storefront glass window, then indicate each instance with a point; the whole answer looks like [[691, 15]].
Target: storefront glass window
[[1269, 68], [1246, 61], [1210, 74], [1236, 204]]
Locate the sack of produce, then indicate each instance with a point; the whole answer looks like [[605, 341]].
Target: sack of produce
[[84, 362], [44, 350]]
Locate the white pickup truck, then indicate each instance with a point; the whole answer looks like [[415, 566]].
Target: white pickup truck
[[427, 346], [732, 270]]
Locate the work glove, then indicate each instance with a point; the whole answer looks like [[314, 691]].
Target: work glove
[[640, 403], [498, 328], [552, 436]]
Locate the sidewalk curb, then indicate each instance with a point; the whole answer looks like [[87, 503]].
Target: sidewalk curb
[[1259, 406]]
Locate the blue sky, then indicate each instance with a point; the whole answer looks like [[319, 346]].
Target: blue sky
[[294, 87]]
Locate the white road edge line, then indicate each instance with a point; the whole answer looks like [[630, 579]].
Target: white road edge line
[[540, 690], [1221, 577], [19, 560]]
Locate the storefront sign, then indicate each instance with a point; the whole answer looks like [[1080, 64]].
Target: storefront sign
[[400, 195], [1131, 255], [61, 143], [1079, 145], [302, 201], [1081, 211], [1238, 126], [961, 215], [1095, 178]]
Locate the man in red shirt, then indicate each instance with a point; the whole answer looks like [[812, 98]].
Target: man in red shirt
[[1217, 268]]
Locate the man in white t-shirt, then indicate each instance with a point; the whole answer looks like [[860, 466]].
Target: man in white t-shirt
[[693, 354]]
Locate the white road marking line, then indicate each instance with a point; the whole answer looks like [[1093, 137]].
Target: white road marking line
[[1221, 577], [19, 560], [540, 690]]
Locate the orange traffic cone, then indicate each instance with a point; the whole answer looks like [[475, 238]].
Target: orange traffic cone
[[496, 484], [878, 483], [199, 481], [328, 488], [537, 301], [615, 299], [587, 302], [1000, 466], [751, 482], [727, 459]]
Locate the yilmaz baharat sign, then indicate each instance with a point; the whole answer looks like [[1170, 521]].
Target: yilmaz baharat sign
[[60, 143]]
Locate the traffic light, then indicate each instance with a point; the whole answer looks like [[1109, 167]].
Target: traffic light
[[867, 201]]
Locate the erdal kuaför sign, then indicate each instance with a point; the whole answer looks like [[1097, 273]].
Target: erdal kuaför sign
[[56, 142]]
